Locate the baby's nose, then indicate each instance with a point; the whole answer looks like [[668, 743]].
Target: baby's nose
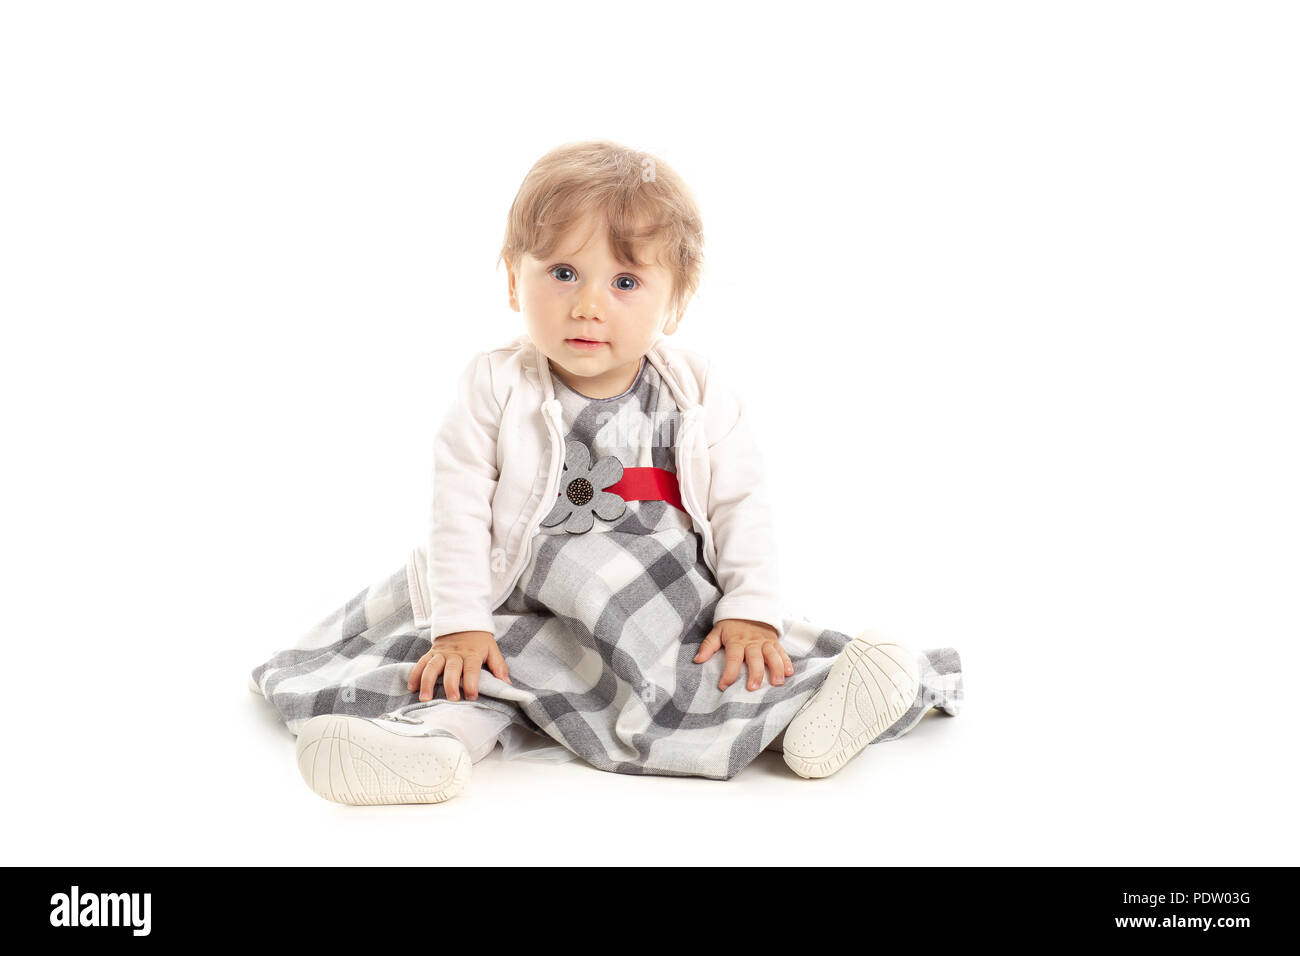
[[588, 307]]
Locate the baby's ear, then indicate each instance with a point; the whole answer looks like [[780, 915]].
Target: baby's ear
[[675, 321], [512, 296]]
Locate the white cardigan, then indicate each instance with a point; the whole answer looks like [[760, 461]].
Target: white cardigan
[[498, 460]]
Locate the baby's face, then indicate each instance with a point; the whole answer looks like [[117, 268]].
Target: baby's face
[[582, 293]]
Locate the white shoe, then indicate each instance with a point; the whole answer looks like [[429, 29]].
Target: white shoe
[[868, 688], [369, 760]]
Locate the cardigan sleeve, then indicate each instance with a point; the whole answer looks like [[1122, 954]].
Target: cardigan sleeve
[[464, 481], [738, 512]]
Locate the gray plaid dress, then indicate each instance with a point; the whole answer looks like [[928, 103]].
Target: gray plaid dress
[[600, 633]]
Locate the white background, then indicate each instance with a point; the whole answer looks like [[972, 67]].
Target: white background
[[1014, 285]]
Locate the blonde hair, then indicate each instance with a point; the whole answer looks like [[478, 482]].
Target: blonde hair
[[643, 202]]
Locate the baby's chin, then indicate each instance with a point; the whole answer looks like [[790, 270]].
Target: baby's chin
[[586, 361]]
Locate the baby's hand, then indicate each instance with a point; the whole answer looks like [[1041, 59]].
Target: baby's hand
[[453, 654], [750, 641]]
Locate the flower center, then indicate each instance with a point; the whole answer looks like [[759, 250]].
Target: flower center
[[580, 491]]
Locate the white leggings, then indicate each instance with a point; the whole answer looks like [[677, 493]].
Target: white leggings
[[476, 727]]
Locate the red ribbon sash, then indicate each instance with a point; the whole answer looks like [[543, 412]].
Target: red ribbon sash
[[648, 484]]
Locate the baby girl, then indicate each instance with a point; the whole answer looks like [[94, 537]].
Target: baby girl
[[600, 567]]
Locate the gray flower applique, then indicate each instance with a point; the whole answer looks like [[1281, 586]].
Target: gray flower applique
[[583, 497]]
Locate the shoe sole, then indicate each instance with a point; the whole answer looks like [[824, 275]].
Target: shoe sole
[[349, 760], [867, 690]]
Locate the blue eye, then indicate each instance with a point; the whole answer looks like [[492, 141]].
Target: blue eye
[[630, 279], [563, 269]]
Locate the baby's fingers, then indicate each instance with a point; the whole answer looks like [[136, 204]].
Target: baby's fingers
[[451, 678], [429, 679], [731, 670], [472, 667], [712, 641], [496, 663], [754, 661], [775, 664], [413, 680]]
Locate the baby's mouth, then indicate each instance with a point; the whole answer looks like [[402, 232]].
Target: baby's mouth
[[584, 343]]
